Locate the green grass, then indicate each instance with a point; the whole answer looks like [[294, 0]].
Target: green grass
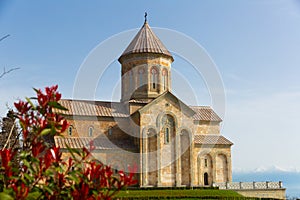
[[178, 194]]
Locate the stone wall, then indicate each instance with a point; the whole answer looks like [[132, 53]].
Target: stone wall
[[206, 127], [100, 125], [136, 76], [265, 189], [168, 157], [263, 193], [216, 169]]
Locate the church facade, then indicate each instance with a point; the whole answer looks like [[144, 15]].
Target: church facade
[[171, 143]]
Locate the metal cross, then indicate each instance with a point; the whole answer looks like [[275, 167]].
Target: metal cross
[[145, 16]]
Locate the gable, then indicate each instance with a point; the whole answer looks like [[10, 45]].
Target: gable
[[171, 99]]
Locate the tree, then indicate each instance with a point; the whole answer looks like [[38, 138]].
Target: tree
[[9, 134]]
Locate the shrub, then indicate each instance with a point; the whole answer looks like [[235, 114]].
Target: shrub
[[41, 173]]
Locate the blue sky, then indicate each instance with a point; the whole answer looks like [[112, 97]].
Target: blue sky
[[254, 43]]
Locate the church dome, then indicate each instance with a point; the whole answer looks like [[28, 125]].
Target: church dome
[[146, 41]]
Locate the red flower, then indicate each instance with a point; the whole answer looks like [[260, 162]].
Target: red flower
[[21, 191], [6, 155], [37, 148], [52, 155]]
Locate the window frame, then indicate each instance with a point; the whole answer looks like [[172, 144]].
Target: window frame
[[91, 131]]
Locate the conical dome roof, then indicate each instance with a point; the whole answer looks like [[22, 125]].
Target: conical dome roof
[[146, 41]]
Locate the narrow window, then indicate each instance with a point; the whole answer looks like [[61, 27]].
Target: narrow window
[[110, 131], [205, 162], [70, 129], [90, 131], [167, 135], [154, 78], [165, 79]]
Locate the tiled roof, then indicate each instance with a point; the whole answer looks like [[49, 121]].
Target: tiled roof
[[211, 140], [100, 143], [117, 109], [93, 108], [146, 41], [205, 113]]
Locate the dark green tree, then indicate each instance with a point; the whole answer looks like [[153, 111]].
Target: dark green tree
[[9, 134]]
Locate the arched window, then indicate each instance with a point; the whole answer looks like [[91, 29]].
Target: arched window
[[141, 74], [70, 130], [165, 78], [168, 128], [154, 78], [110, 131], [91, 129]]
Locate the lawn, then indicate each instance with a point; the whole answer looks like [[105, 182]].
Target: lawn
[[178, 194]]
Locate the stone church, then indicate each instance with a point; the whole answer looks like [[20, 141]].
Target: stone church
[[171, 143]]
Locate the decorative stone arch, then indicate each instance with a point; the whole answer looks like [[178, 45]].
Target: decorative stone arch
[[146, 129], [165, 79], [152, 166], [160, 117], [185, 155], [185, 128], [222, 167], [168, 152], [141, 77], [150, 155], [205, 168], [154, 78]]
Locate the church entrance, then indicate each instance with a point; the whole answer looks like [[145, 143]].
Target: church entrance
[[205, 178]]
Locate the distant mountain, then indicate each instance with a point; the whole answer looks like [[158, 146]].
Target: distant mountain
[[290, 178]]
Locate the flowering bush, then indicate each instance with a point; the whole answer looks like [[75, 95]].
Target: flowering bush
[[42, 174]]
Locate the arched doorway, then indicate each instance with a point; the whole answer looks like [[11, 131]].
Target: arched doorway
[[205, 170], [205, 176]]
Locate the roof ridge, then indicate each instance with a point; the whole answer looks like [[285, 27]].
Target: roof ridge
[[87, 100]]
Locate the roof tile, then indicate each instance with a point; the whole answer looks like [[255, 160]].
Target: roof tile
[[211, 140], [146, 41], [93, 108], [100, 143], [205, 113]]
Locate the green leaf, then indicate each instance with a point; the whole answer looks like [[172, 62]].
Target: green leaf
[[33, 195], [56, 105], [46, 131], [4, 196], [36, 90], [48, 189], [30, 102], [28, 177]]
